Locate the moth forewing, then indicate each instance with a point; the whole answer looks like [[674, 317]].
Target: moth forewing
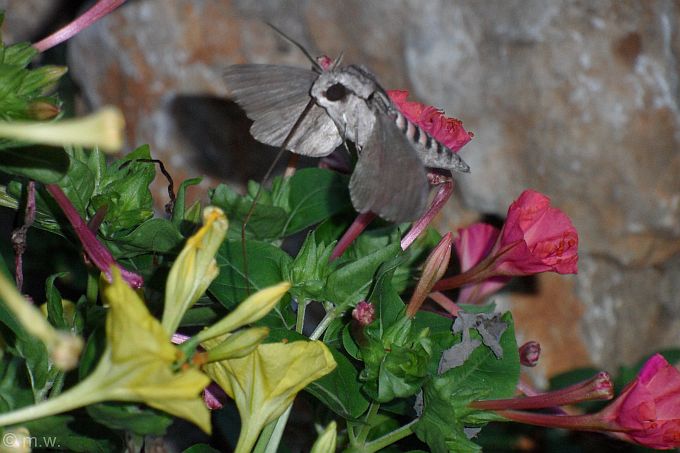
[[274, 97]]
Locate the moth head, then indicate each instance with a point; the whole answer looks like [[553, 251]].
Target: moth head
[[337, 86], [336, 92]]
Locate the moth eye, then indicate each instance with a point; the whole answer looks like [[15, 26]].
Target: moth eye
[[336, 92]]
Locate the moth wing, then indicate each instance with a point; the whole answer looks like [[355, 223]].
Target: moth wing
[[274, 97], [389, 179]]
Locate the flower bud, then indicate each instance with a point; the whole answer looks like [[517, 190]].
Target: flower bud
[[42, 110], [364, 313], [529, 353], [435, 266], [238, 344]]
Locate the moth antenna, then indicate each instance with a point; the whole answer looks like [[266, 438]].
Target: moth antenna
[[298, 45], [250, 212], [337, 61]]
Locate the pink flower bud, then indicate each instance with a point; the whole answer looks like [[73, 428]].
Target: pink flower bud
[[364, 313], [529, 353], [435, 266]]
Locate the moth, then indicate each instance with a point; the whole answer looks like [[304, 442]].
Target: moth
[[312, 112]]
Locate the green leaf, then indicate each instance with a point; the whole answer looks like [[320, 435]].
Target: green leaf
[[308, 197], [154, 235], [350, 284], [21, 343], [42, 164], [125, 192], [15, 388], [265, 222], [446, 397], [201, 448], [78, 185], [265, 268], [73, 433], [315, 195], [483, 372], [55, 310], [179, 210], [309, 270], [140, 420]]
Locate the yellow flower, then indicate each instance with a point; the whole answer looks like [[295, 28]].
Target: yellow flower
[[103, 129], [250, 310], [64, 347], [194, 269], [235, 345], [325, 443], [136, 366], [264, 383]]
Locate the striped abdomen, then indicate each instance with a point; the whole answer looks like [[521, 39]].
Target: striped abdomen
[[432, 153]]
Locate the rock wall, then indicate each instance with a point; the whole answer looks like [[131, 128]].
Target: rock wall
[[577, 99]]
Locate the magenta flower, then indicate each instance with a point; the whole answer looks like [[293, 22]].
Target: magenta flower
[[448, 131], [648, 409], [535, 238], [473, 244], [647, 412]]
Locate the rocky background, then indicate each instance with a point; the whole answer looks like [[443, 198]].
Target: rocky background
[[577, 99]]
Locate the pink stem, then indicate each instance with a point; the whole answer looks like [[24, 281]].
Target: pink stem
[[444, 302], [92, 15], [440, 199], [590, 422], [597, 388], [354, 230], [95, 250], [20, 235]]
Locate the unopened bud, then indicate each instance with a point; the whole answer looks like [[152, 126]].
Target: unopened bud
[[529, 353], [435, 267], [364, 313], [43, 110], [238, 344]]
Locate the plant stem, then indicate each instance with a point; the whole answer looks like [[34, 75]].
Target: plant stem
[[390, 438], [366, 428], [92, 289], [300, 320], [589, 422], [354, 230], [323, 325], [275, 440]]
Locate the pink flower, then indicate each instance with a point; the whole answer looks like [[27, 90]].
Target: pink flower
[[447, 131], [473, 244], [535, 238], [647, 412], [648, 409]]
